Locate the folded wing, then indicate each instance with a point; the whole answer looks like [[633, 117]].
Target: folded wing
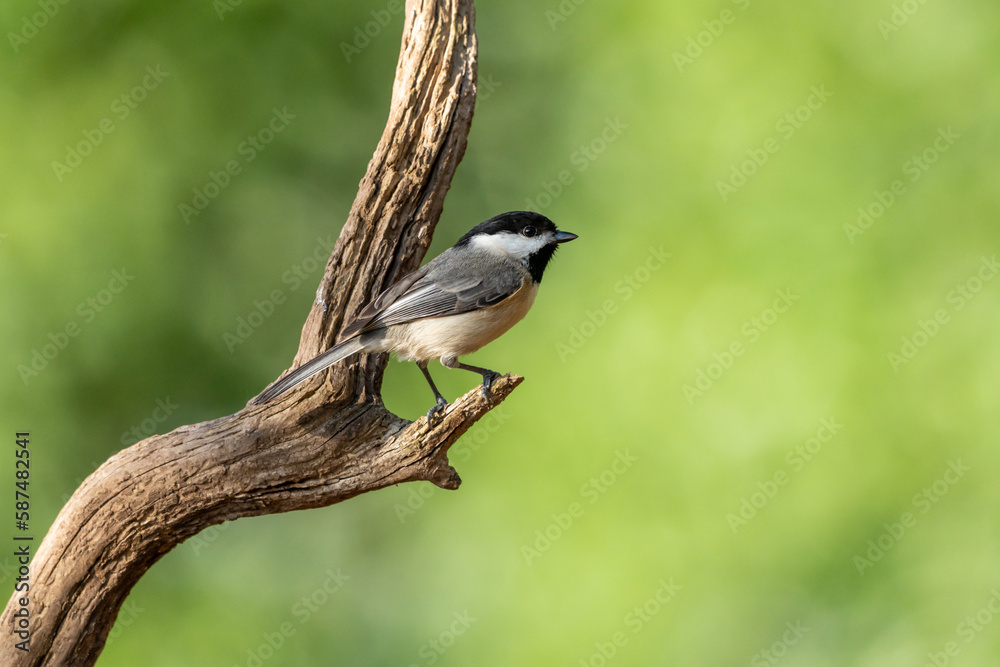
[[433, 292]]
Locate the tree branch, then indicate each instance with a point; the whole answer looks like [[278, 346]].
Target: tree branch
[[326, 441]]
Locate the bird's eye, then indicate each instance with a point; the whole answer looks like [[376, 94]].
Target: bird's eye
[[528, 231]]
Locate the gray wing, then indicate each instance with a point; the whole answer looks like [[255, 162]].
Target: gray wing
[[431, 291]]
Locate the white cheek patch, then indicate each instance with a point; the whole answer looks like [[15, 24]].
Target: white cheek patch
[[515, 245]]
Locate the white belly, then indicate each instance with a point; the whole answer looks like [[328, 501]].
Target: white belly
[[458, 335]]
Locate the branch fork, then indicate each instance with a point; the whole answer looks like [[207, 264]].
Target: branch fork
[[329, 439]]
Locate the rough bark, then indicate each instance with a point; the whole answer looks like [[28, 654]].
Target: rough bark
[[326, 441]]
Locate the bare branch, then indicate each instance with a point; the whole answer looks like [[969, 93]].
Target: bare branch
[[328, 440]]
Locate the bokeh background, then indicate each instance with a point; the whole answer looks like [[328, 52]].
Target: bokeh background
[[716, 458]]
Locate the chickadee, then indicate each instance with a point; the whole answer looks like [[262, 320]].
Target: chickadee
[[466, 297]]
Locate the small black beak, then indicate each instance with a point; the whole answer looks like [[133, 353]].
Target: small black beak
[[562, 237]]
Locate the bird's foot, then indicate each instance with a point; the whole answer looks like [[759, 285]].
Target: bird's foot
[[433, 414], [488, 379]]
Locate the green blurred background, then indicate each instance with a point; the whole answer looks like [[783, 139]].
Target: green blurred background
[[687, 476]]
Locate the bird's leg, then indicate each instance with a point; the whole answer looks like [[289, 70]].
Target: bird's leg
[[441, 403], [489, 377]]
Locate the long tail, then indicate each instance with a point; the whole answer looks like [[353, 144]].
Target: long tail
[[339, 351]]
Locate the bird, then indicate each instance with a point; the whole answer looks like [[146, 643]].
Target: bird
[[466, 297]]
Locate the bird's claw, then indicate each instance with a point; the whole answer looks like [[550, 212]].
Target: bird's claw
[[432, 414], [488, 381]]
